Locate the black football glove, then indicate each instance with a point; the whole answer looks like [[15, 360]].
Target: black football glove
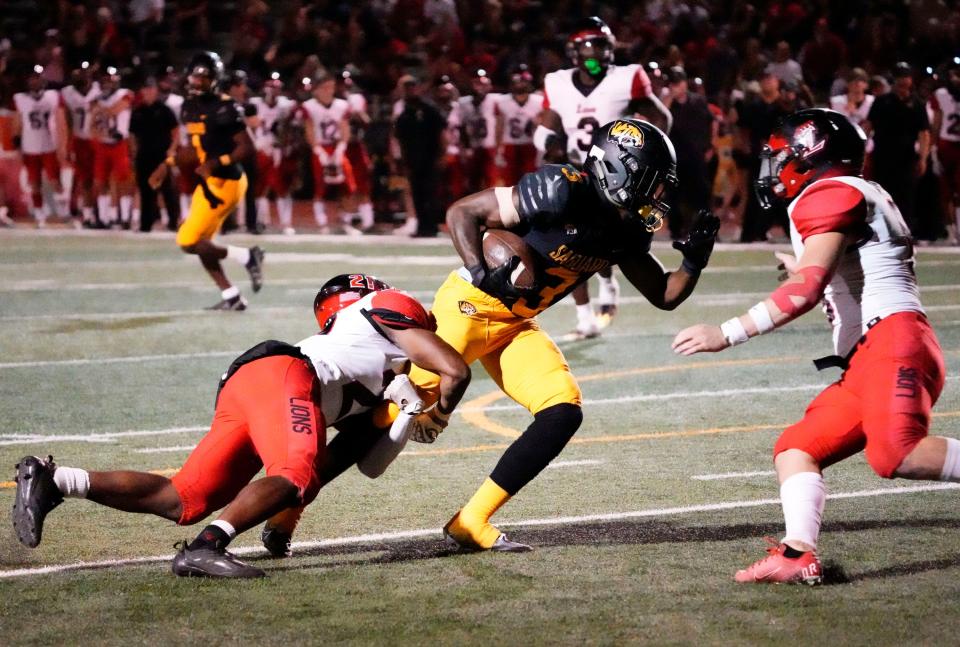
[[698, 245], [496, 282]]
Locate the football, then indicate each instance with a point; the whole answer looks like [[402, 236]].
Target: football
[[499, 245]]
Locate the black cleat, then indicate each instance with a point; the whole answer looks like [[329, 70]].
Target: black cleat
[[211, 562], [36, 496], [276, 541], [255, 268], [237, 303]]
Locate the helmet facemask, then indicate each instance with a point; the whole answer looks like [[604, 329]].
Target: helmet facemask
[[638, 192]]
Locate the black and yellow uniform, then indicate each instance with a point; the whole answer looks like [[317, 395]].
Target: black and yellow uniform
[[212, 121], [574, 234]]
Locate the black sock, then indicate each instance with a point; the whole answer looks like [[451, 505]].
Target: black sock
[[210, 537], [792, 552], [539, 444]]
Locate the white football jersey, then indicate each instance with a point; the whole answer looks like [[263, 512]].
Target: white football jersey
[[354, 361], [875, 278], [858, 114], [38, 121], [582, 114], [518, 118], [264, 137], [480, 121], [104, 121], [950, 107], [326, 120], [454, 128], [78, 108]]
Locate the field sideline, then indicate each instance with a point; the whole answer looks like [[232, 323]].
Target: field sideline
[[110, 362]]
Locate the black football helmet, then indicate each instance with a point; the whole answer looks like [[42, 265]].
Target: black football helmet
[[633, 167], [590, 46], [952, 77], [204, 73], [803, 147], [339, 292]]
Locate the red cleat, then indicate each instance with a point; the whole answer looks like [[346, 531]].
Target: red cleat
[[777, 568]]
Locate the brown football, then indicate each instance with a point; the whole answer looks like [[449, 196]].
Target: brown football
[[499, 245]]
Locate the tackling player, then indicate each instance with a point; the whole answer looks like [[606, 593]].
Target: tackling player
[[217, 133], [516, 113], [273, 406], [576, 102], [945, 103], [41, 127], [853, 251], [110, 127], [78, 98]]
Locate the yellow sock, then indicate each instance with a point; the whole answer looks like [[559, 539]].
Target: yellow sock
[[475, 515]]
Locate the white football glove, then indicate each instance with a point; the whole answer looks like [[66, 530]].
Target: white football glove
[[401, 392], [428, 425]]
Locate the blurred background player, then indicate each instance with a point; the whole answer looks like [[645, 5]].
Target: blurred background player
[[218, 136], [328, 133], [854, 252], [945, 103], [78, 99], [155, 134], [446, 98], [276, 168], [239, 91], [357, 153], [185, 165], [516, 116], [112, 172], [478, 114], [42, 129], [577, 100]]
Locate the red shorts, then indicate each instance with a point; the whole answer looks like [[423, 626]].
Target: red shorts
[[274, 177], [949, 155], [882, 401], [45, 162], [111, 161], [481, 170], [360, 162], [454, 181], [82, 161], [521, 159], [323, 188], [187, 178], [266, 416]]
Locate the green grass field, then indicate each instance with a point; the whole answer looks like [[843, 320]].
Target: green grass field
[[109, 361]]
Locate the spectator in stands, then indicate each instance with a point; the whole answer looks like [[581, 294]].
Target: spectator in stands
[[154, 128], [901, 141], [783, 66], [420, 132], [821, 57]]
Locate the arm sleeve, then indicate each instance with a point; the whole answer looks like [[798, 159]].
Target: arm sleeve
[[829, 206], [397, 310], [544, 194]]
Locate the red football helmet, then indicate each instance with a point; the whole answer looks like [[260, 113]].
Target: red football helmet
[[590, 45], [339, 292], [804, 146]]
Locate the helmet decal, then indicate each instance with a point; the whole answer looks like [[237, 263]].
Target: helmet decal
[[625, 133]]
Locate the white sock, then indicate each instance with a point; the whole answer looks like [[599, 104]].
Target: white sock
[[225, 526], [585, 313], [320, 213], [39, 214], [184, 204], [366, 215], [802, 497], [238, 254], [126, 205], [263, 210], [285, 211], [164, 215], [231, 292], [87, 214], [103, 206], [951, 462], [72, 481]]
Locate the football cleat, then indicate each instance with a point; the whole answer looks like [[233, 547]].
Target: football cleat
[[586, 329], [36, 496], [609, 298], [237, 303], [457, 537], [255, 268], [211, 562], [777, 568], [276, 541]]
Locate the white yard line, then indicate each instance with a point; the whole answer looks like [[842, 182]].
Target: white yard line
[[732, 475], [163, 450], [109, 436], [436, 532], [133, 359], [561, 464]]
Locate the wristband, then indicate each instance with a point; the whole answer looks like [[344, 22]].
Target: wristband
[[225, 160], [690, 267], [477, 273], [443, 412], [734, 332], [760, 315]]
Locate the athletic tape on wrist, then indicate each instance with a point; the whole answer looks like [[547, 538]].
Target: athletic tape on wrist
[[760, 315], [734, 332]]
